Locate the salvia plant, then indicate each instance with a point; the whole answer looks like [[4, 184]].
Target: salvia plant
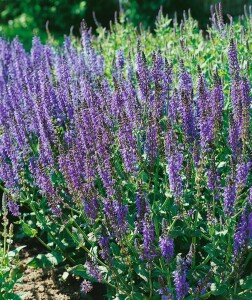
[[137, 148]]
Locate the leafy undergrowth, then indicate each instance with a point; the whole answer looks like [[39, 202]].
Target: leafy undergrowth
[[51, 282]]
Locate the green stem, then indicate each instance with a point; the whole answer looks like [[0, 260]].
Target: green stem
[[194, 241], [244, 292], [205, 261], [5, 241], [43, 243], [206, 237], [235, 288], [92, 244], [3, 189], [5, 232], [91, 254], [214, 204], [229, 249], [150, 283], [169, 278], [49, 233], [172, 224], [85, 248], [156, 180]]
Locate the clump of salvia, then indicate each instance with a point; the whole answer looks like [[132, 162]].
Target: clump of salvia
[[155, 158]]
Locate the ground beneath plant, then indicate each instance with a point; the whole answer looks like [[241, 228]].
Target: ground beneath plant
[[47, 284]]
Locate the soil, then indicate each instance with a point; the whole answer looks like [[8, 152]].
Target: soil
[[47, 284]]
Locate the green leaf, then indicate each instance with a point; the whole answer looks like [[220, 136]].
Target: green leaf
[[141, 272], [213, 252], [115, 249], [222, 164], [221, 290], [46, 260], [144, 176], [247, 283], [14, 252], [13, 296], [28, 230], [81, 271]]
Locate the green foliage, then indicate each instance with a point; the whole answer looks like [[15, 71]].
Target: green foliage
[[208, 50], [28, 17], [46, 260], [10, 272], [24, 18]]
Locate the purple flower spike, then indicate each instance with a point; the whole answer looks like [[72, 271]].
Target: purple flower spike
[[175, 160], [213, 176], [116, 218], [166, 245], [104, 245], [173, 107], [181, 285], [121, 213], [245, 132], [185, 80], [164, 291], [229, 197], [233, 138], [148, 252], [240, 236], [143, 75], [91, 208], [190, 255], [204, 113], [94, 271], [128, 143], [86, 286], [142, 208], [242, 173], [217, 100], [13, 208], [152, 143], [165, 294], [188, 116], [233, 60], [250, 226]]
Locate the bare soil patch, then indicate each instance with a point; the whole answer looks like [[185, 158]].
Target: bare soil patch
[[47, 284]]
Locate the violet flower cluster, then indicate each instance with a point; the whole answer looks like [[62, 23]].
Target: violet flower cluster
[[152, 140]]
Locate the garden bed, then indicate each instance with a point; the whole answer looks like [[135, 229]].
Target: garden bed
[[47, 283]]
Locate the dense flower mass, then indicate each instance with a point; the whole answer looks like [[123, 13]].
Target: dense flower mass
[[141, 154]]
